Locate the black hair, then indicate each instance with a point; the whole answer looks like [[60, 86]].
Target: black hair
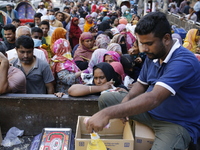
[[154, 22], [108, 32], [56, 9], [31, 24], [25, 41], [188, 2], [36, 29], [65, 8], [52, 10], [38, 15], [10, 27], [9, 5], [44, 23], [16, 20], [3, 47], [59, 12]]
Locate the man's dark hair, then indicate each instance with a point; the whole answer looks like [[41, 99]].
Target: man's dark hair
[[38, 15], [3, 47], [154, 22], [9, 5], [188, 2], [52, 10], [10, 27], [44, 23], [31, 24], [56, 9], [65, 8], [59, 12], [25, 41], [36, 29], [16, 20]]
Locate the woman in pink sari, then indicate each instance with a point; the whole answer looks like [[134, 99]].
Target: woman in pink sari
[[63, 67]]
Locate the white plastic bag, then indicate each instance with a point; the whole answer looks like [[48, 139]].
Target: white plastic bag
[[12, 137]]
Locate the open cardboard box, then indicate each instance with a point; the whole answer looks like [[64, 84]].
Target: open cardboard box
[[118, 137], [144, 136]]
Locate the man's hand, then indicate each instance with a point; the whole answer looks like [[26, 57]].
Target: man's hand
[[97, 122], [3, 57]]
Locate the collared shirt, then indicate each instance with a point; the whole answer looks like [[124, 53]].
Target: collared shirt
[[180, 74], [197, 6], [12, 54], [39, 75]]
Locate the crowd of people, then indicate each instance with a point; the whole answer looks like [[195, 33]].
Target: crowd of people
[[185, 10], [133, 63]]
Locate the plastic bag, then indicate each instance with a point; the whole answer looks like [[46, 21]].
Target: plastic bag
[[12, 137]]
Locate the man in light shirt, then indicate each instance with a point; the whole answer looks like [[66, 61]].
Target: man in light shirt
[[42, 9], [24, 30]]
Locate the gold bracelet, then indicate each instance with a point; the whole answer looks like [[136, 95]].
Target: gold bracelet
[[90, 88]]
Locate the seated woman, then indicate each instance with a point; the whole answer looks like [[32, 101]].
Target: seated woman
[[191, 39], [84, 52], [97, 57], [104, 78], [115, 47], [102, 41], [117, 66], [136, 55], [64, 68], [121, 40], [111, 56]]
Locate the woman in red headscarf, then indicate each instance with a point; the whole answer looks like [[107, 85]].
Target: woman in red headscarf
[[74, 32]]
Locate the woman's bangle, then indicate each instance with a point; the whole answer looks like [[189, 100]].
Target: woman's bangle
[[90, 88]]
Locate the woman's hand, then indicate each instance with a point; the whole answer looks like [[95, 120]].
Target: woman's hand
[[59, 94], [138, 60], [107, 85]]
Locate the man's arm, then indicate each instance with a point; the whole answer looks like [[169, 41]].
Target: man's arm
[[136, 90], [140, 104], [68, 17], [50, 88], [4, 66]]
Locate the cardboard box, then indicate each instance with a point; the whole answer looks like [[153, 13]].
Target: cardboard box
[[118, 137], [144, 136]]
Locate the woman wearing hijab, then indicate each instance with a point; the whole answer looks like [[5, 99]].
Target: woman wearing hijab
[[74, 32], [84, 52], [57, 34], [102, 41], [115, 47], [88, 23], [111, 56], [63, 67], [81, 23], [117, 66], [191, 40], [121, 40], [105, 78], [97, 57], [105, 24]]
